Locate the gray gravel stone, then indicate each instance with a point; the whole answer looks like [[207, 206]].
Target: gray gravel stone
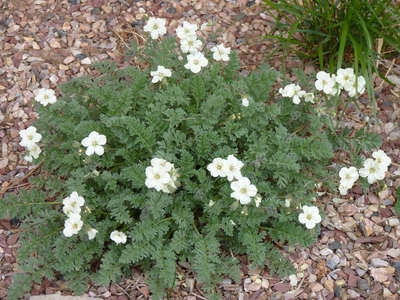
[[333, 262], [396, 265], [362, 284], [377, 263], [335, 245]]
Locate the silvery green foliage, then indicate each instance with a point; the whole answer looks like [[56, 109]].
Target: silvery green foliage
[[187, 119]]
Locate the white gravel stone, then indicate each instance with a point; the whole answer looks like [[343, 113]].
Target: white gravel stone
[[86, 61]]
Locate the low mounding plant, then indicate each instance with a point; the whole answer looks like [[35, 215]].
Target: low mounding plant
[[184, 160]]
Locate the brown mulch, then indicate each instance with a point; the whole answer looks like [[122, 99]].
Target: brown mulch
[[47, 42]]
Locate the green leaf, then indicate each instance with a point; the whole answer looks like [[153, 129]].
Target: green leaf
[[198, 88], [254, 247], [397, 203], [21, 284]]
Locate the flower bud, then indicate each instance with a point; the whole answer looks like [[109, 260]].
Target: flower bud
[[234, 205]]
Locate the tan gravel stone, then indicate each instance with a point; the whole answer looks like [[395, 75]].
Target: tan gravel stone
[[14, 133], [66, 26], [129, 18], [329, 285], [106, 8], [316, 287], [84, 27], [55, 44], [63, 67], [3, 162]]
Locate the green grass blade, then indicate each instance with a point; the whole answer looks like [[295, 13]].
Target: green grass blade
[[342, 44]]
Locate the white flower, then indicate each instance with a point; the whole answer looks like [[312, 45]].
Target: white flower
[[334, 92], [348, 176], [325, 82], [345, 78], [358, 86], [372, 171], [174, 183], [221, 52], [297, 93], [160, 73], [195, 62], [344, 187], [118, 237], [284, 91], [243, 190], [73, 203], [191, 45], [157, 177], [28, 158], [156, 27], [162, 163], [257, 200], [92, 233], [232, 168], [292, 91], [69, 210], [29, 136], [310, 216], [293, 279], [287, 202], [94, 143], [383, 160], [187, 31], [46, 96], [309, 97], [211, 203], [287, 91], [245, 102], [216, 167], [34, 150], [162, 176], [72, 225]]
